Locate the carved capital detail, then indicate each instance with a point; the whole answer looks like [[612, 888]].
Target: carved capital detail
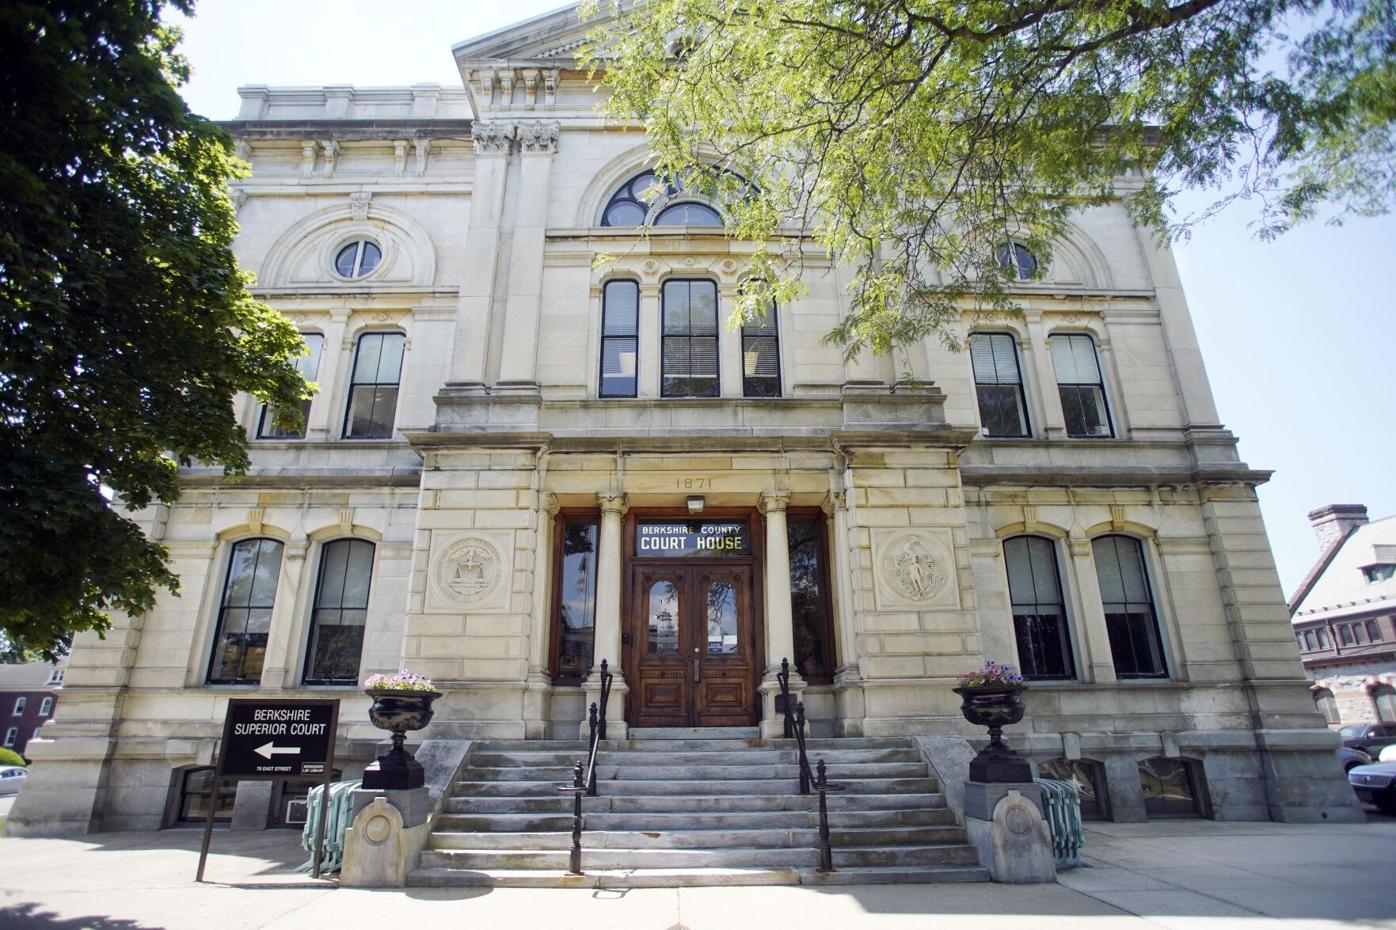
[[358, 205], [550, 503], [492, 138], [538, 138], [774, 501], [612, 503]]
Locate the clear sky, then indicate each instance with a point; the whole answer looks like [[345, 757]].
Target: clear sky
[[1299, 334]]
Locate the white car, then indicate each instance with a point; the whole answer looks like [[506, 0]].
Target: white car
[[12, 778], [1388, 753]]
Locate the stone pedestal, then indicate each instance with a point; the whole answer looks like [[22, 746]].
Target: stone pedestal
[[1005, 823], [389, 830]]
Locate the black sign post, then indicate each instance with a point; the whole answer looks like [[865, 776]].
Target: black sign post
[[276, 741]]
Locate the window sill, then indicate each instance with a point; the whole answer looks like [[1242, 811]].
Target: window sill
[[1074, 685]]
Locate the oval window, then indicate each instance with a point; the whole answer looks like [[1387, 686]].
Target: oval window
[[358, 259]]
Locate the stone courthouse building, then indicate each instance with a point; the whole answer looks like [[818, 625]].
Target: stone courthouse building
[[519, 464]]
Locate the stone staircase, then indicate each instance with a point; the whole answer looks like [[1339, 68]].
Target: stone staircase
[[716, 806]]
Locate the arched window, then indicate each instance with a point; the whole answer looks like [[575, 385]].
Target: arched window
[[1326, 704], [341, 610], [244, 616], [1130, 617], [1039, 611], [647, 200], [1384, 702], [308, 364], [1080, 386], [1016, 261], [998, 383], [373, 386]]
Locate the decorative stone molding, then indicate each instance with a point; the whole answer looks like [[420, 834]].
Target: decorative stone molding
[[331, 150], [530, 79], [550, 86], [914, 569], [346, 520], [471, 570], [1029, 518], [1117, 517], [551, 504], [612, 503], [422, 148], [538, 138], [254, 519], [308, 152], [492, 138], [399, 157], [358, 205], [506, 87], [773, 500]]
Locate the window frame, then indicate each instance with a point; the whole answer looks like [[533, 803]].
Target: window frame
[[1107, 414], [264, 421], [222, 606], [1195, 776], [828, 645], [1007, 254], [1025, 419], [46, 706], [21, 704], [1072, 673], [716, 338], [555, 594], [314, 607], [1326, 703], [633, 337], [1159, 643], [774, 336], [11, 737], [353, 383], [358, 243]]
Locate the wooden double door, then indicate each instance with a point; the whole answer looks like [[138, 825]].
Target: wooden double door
[[692, 656]]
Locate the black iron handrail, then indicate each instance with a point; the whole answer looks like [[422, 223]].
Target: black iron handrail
[[816, 779], [584, 777]]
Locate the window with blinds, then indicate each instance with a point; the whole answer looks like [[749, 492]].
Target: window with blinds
[[688, 361], [1130, 619], [1039, 611], [998, 382], [620, 320], [761, 356], [1080, 385]]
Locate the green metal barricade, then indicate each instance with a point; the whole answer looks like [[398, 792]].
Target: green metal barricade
[[338, 817], [1061, 806]]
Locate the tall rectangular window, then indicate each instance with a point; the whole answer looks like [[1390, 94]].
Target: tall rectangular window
[[373, 386], [809, 597], [998, 382], [574, 605], [689, 357], [341, 610], [46, 707], [620, 321], [309, 367], [761, 356], [1374, 631], [244, 619], [1130, 619], [1039, 613], [10, 736], [1080, 385]]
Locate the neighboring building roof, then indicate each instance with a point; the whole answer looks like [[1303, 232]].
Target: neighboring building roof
[[28, 676], [1339, 586]]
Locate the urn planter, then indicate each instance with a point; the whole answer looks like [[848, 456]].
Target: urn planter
[[995, 707], [399, 712]]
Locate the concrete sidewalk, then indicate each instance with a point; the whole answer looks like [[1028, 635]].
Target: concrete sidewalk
[[1179, 874]]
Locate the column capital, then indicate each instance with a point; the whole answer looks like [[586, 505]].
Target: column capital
[[612, 503], [550, 503], [774, 501], [836, 501]]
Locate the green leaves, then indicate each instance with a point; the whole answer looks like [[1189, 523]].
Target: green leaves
[[913, 138], [126, 327]]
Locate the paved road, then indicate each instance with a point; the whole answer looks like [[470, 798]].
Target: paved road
[[1182, 874]]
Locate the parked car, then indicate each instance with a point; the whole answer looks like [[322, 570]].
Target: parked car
[[1388, 754], [1375, 784], [1368, 737], [1352, 757], [12, 778]]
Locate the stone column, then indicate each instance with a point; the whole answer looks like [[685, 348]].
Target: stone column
[[650, 342], [780, 633], [538, 689], [518, 364], [1052, 423], [336, 355], [493, 142], [277, 669], [606, 642], [1097, 663], [848, 676]]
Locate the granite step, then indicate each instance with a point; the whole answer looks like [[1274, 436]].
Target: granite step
[[603, 837], [724, 857], [562, 803], [637, 786], [690, 878], [838, 820], [833, 757], [638, 734], [613, 768]]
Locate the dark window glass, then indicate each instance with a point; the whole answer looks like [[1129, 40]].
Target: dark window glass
[[309, 367], [1384, 701], [1374, 631], [689, 361], [620, 320], [761, 356], [1323, 639], [373, 386], [576, 598], [688, 214], [1345, 631], [809, 602], [357, 259], [196, 793], [1089, 779], [341, 609], [1129, 608], [1327, 705], [1080, 386], [998, 384], [244, 616], [1015, 259], [663, 620], [1039, 614], [633, 200], [1170, 788], [1310, 641]]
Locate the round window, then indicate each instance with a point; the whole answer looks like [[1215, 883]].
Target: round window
[[358, 259], [1017, 261]]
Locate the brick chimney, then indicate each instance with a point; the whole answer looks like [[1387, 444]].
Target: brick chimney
[[1333, 523]]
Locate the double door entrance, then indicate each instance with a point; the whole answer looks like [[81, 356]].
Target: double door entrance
[[691, 640]]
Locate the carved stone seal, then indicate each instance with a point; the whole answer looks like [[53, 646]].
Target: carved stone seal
[[468, 571], [914, 568]]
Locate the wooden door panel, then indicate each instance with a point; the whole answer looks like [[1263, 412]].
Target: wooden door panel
[[660, 689], [723, 630]]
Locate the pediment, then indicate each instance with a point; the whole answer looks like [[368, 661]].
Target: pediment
[[553, 36]]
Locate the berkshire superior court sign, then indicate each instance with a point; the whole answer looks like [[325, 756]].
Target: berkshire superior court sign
[[277, 739]]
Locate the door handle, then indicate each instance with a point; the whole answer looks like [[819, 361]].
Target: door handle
[[696, 656]]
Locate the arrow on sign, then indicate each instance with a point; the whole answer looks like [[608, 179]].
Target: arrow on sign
[[271, 749]]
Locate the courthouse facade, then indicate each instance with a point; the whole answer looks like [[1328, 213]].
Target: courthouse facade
[[522, 461]]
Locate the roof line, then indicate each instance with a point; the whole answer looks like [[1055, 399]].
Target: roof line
[[1325, 559]]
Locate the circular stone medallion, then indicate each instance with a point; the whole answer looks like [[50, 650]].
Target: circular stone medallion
[[915, 567], [468, 570]]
